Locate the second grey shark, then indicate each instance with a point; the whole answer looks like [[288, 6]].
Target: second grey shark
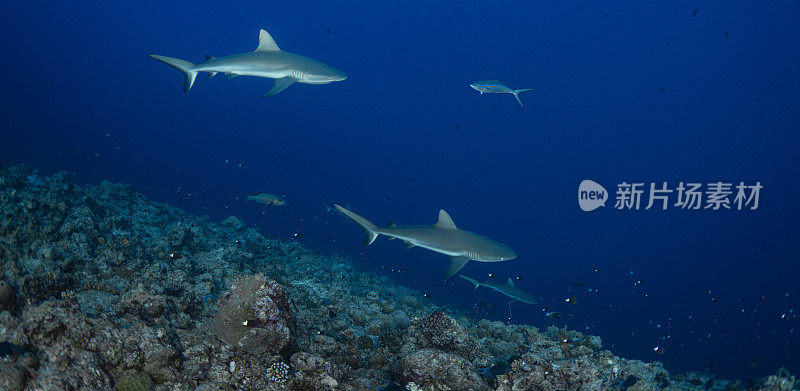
[[506, 288], [442, 237], [266, 61]]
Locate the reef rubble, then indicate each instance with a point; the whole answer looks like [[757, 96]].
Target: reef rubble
[[102, 289]]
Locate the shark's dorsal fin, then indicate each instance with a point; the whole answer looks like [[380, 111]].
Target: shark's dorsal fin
[[266, 43], [509, 282], [209, 57], [445, 221]]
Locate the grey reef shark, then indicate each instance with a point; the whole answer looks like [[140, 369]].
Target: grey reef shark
[[443, 237], [508, 288], [266, 61]]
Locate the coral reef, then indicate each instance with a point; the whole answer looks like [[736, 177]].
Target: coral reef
[[254, 316], [102, 289]]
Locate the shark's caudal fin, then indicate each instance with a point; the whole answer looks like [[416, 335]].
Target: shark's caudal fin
[[475, 283], [516, 94], [369, 228], [184, 66]]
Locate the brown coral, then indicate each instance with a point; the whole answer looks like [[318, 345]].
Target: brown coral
[[254, 315]]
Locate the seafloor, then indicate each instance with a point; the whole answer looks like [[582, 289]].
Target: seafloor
[[102, 289]]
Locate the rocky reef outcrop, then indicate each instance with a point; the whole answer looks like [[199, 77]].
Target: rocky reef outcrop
[[254, 316], [102, 289]]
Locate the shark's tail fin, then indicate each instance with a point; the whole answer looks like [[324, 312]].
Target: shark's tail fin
[[184, 66], [475, 283], [516, 94], [369, 228]]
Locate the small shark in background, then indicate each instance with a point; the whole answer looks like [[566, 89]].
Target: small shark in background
[[506, 288], [266, 61], [496, 87], [266, 199], [442, 237]]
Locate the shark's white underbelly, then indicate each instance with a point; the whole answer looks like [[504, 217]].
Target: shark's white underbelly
[[439, 250], [270, 73], [450, 252]]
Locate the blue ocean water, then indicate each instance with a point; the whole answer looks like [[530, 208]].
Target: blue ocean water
[[683, 91]]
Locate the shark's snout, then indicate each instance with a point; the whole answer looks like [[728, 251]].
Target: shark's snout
[[507, 254], [324, 76], [338, 76]]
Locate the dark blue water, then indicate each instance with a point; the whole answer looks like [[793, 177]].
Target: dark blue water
[[637, 93]]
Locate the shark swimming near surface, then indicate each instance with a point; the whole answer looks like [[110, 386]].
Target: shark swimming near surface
[[442, 237], [496, 87], [506, 288], [266, 61]]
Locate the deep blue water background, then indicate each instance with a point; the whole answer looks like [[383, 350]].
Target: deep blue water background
[[622, 92]]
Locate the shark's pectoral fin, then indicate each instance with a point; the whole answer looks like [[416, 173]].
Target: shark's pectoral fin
[[456, 265], [409, 244], [280, 85]]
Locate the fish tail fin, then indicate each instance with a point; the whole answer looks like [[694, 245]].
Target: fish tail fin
[[475, 283], [369, 229], [184, 66], [516, 94]]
